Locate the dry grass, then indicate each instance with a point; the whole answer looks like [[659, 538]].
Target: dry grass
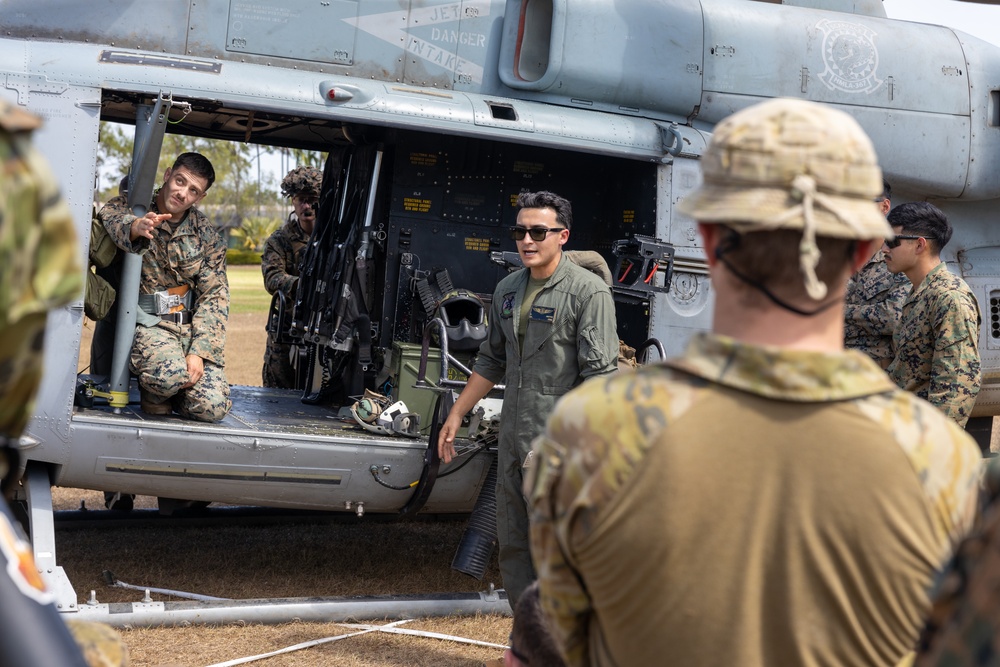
[[278, 560]]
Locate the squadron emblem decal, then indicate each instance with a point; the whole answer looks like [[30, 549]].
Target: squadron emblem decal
[[850, 57]]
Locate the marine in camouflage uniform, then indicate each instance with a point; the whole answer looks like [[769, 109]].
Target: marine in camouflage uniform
[[964, 624], [40, 270], [937, 344], [280, 264], [187, 252], [873, 306], [937, 340], [768, 498]]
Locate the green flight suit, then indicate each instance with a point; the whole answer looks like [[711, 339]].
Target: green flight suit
[[571, 336]]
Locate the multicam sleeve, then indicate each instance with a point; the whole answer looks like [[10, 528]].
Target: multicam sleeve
[[208, 337], [599, 434], [563, 597], [956, 374], [39, 270]]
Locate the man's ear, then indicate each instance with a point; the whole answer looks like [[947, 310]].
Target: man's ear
[[863, 251], [710, 239], [923, 246]]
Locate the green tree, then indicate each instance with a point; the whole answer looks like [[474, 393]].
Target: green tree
[[255, 230]]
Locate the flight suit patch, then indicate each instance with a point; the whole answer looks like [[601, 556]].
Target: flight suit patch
[[507, 306], [542, 314]]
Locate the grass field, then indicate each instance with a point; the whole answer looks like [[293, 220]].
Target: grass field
[[246, 291]]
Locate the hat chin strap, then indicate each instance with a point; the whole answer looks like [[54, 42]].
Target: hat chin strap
[[804, 189], [733, 240]]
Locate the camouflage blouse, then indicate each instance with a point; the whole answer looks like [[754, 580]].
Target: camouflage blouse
[[191, 252], [874, 303], [281, 256], [937, 344]]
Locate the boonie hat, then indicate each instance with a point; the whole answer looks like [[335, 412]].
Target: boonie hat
[[304, 181], [791, 164]]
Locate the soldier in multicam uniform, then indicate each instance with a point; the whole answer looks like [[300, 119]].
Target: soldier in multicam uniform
[[874, 301], [937, 340], [280, 263], [768, 498], [39, 270], [178, 355], [964, 624], [551, 326]]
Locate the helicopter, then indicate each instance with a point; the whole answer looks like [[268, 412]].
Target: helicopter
[[434, 115]]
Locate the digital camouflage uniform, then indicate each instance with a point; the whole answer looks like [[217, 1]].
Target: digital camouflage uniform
[[964, 625], [40, 270], [571, 336], [746, 505], [873, 304], [193, 253], [937, 344], [280, 266]]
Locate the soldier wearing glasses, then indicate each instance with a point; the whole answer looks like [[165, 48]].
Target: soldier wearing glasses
[[552, 326], [937, 341]]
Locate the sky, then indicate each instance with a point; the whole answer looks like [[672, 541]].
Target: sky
[[978, 20]]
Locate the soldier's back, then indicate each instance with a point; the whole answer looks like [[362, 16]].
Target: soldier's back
[[39, 262]]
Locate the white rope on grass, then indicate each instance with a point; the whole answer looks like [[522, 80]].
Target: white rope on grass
[[423, 633], [309, 644]]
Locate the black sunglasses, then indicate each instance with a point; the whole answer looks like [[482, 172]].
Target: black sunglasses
[[537, 233], [899, 239]]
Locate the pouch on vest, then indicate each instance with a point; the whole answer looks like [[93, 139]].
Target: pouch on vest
[[98, 297], [102, 247]]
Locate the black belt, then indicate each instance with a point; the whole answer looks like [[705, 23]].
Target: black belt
[[183, 317]]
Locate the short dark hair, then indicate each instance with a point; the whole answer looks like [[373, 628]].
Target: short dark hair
[[772, 259], [530, 635], [921, 218], [545, 199], [886, 191], [198, 165]]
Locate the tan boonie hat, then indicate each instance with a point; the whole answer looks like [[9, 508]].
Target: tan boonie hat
[[304, 181], [791, 164]]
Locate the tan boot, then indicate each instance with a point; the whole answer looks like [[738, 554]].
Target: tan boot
[[150, 407]]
